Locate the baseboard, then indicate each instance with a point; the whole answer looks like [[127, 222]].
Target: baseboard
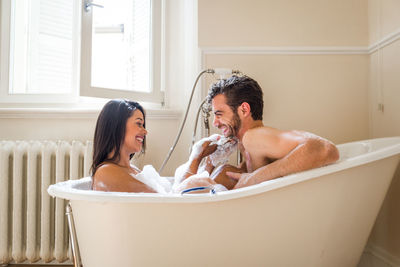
[[382, 255]]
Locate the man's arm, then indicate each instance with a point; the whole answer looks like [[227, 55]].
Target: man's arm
[[290, 151]]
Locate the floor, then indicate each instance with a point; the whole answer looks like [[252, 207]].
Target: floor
[[38, 265]]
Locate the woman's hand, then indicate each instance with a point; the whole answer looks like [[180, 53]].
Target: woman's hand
[[207, 150], [201, 150]]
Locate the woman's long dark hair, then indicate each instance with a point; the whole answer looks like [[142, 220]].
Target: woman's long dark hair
[[110, 130]]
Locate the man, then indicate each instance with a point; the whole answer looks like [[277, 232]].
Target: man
[[237, 104]]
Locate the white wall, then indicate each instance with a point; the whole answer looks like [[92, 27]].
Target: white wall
[[287, 47], [323, 94], [384, 88], [283, 23]]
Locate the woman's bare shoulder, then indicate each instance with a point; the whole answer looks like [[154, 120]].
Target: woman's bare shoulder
[[112, 177], [106, 166], [107, 175]]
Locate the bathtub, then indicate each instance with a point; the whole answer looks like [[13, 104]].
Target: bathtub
[[320, 217]]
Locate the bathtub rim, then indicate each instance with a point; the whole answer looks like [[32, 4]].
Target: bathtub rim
[[64, 189]]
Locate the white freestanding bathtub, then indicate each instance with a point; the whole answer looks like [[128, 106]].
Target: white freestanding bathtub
[[320, 217]]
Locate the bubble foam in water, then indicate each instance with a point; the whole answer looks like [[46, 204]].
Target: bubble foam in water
[[149, 176]]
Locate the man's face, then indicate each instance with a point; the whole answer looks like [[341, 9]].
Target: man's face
[[224, 118]]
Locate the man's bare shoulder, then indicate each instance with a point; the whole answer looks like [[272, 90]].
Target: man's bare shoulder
[[261, 134], [271, 142]]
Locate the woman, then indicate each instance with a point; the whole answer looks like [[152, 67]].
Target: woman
[[120, 133]]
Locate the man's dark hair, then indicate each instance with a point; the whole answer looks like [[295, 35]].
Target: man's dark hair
[[110, 130], [239, 89]]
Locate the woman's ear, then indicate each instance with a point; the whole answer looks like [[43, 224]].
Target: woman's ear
[[244, 109]]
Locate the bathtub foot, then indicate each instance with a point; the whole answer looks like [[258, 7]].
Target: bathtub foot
[[72, 234]]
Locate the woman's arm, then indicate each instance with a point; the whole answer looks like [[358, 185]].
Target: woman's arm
[[194, 162], [113, 178]]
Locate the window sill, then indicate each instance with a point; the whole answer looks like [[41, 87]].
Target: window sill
[[77, 113]]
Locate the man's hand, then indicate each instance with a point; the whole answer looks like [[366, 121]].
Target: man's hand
[[249, 164], [244, 179]]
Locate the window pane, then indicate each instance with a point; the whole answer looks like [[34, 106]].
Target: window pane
[[121, 45], [42, 47]]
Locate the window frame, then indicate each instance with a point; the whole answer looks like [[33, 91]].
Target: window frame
[[156, 94], [81, 76], [6, 64]]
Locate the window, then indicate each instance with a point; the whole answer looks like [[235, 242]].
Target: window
[[119, 48], [39, 51]]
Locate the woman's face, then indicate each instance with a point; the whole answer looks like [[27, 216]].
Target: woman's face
[[134, 133]]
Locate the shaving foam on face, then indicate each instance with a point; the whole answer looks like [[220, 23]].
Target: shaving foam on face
[[226, 146]]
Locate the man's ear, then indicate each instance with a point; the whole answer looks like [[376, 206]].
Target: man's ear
[[244, 109]]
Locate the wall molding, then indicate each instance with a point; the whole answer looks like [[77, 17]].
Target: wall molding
[[301, 50], [286, 50], [385, 41], [382, 255], [48, 113]]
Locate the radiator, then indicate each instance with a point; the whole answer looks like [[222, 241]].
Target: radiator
[[33, 226]]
